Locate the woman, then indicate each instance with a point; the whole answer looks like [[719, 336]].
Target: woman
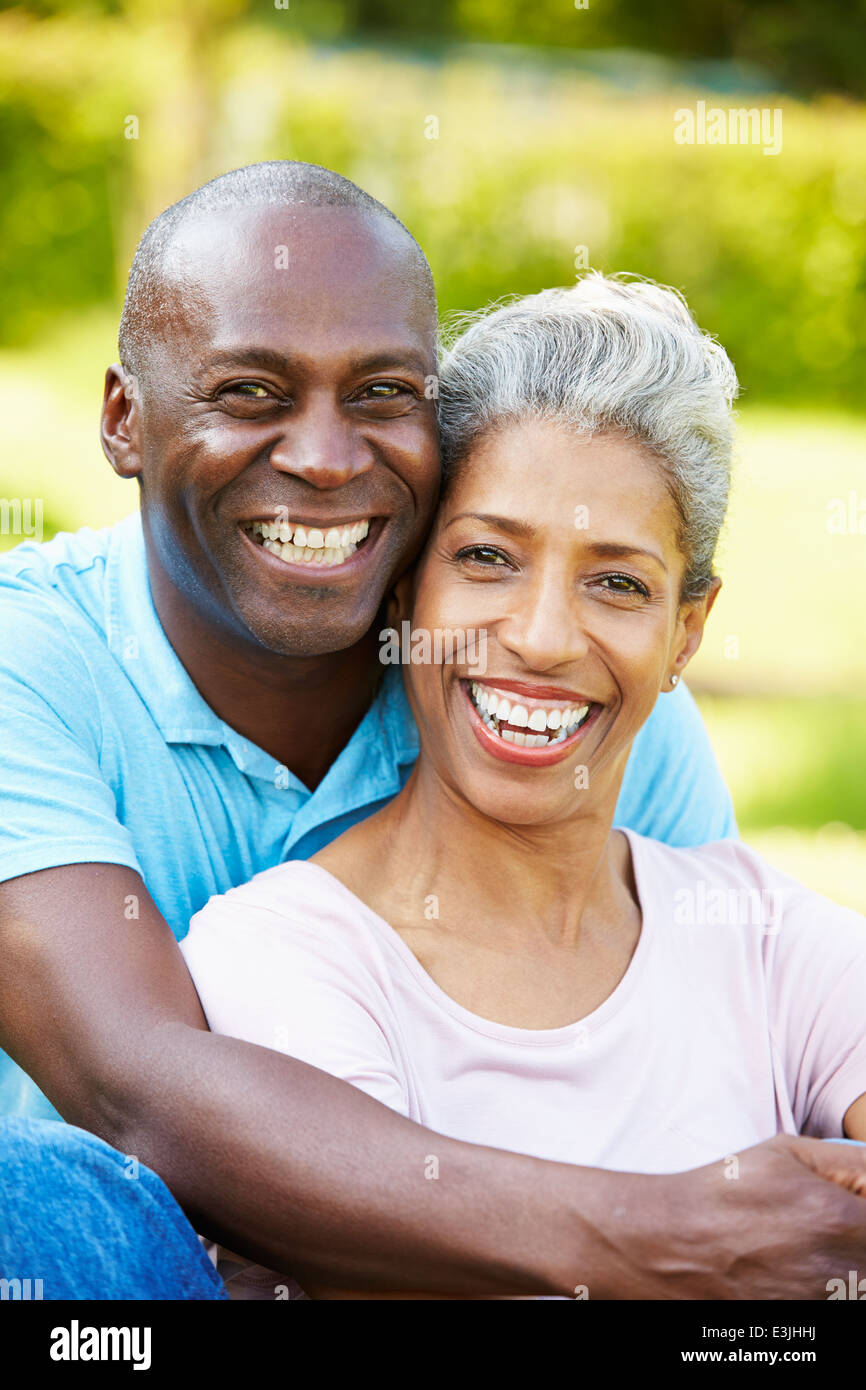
[[487, 953]]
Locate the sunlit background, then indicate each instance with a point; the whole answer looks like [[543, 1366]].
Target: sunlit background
[[520, 140]]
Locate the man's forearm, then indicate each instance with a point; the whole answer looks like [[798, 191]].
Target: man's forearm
[[307, 1174]]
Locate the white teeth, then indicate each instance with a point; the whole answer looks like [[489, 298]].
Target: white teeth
[[306, 547], [561, 723]]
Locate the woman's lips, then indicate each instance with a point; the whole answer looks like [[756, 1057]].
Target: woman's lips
[[508, 752]]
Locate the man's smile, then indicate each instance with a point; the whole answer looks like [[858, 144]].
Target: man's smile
[[308, 545]]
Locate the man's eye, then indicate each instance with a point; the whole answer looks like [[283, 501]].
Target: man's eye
[[384, 391], [251, 390]]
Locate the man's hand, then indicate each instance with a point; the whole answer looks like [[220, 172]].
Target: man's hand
[[776, 1221]]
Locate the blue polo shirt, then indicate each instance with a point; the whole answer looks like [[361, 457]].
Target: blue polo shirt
[[110, 754]]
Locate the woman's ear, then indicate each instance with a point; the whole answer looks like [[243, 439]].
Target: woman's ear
[[399, 602], [690, 629]]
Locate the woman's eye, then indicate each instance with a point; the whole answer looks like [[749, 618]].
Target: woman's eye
[[625, 584], [483, 555]]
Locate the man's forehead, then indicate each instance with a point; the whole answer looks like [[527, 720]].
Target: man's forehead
[[273, 243], [233, 278]]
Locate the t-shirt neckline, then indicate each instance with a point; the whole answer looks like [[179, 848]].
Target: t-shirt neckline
[[569, 1033]]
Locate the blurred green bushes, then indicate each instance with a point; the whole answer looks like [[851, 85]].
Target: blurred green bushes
[[529, 164]]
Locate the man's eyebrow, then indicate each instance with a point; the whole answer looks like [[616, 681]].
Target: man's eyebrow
[[604, 549], [247, 357], [392, 359], [266, 358]]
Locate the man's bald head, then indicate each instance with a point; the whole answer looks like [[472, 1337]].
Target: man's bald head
[[274, 184]]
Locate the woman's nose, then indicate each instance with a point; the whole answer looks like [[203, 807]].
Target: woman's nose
[[544, 627], [319, 445]]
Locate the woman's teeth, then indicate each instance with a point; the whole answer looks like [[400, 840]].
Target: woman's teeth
[[541, 725], [307, 545]]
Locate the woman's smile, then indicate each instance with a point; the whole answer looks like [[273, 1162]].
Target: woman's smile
[[519, 727]]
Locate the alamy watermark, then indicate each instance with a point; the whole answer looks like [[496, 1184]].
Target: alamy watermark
[[704, 906], [736, 125], [21, 516], [443, 646]]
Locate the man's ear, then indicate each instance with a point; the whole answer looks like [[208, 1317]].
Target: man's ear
[[399, 602], [120, 430], [690, 627]]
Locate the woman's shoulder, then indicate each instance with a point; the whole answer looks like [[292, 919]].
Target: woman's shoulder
[[728, 883], [296, 900]]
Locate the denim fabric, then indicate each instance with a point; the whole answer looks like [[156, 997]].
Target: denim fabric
[[80, 1220]]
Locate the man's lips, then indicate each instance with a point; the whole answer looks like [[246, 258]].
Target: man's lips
[[503, 743]]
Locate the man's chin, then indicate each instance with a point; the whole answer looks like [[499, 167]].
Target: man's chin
[[310, 638]]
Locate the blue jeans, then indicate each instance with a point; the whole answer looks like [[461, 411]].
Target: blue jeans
[[80, 1220], [90, 1223]]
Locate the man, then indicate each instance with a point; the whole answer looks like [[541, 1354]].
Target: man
[[192, 696]]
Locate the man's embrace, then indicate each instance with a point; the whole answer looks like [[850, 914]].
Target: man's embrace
[[195, 695]]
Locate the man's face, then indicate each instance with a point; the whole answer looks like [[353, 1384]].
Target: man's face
[[287, 390]]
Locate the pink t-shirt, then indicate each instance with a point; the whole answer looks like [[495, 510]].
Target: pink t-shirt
[[742, 1013]]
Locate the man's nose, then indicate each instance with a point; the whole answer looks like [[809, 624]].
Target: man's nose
[[545, 628], [321, 446]]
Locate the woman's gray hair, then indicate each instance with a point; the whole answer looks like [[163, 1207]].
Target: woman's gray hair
[[611, 352]]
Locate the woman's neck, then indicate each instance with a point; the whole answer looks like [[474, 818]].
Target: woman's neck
[[509, 884]]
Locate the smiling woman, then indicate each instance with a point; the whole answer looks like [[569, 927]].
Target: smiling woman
[[488, 954]]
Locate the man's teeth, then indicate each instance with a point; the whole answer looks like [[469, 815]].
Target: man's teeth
[[304, 545], [542, 725]]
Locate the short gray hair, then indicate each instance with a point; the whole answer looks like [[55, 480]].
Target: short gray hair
[[611, 352], [271, 183]]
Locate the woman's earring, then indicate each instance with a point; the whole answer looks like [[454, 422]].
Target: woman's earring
[[674, 680]]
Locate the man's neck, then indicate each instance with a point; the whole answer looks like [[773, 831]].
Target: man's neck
[[302, 710]]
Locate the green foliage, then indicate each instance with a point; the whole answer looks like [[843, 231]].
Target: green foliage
[[531, 162]]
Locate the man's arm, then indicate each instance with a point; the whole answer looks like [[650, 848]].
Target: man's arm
[[303, 1172]]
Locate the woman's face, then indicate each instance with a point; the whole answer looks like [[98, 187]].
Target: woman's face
[[563, 551]]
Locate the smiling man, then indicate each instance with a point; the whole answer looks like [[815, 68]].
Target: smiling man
[[195, 695]]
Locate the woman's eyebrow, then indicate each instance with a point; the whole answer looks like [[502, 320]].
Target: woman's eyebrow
[[604, 549], [621, 550], [502, 523]]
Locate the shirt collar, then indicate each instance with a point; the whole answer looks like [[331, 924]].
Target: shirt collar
[[385, 739]]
